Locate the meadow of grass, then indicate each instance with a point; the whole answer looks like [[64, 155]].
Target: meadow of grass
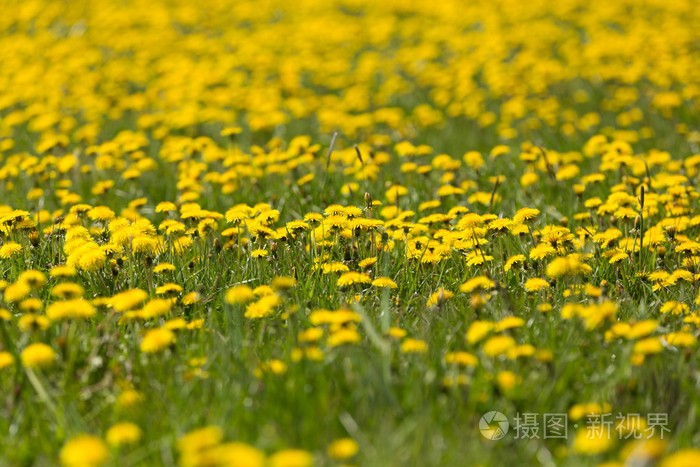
[[286, 234]]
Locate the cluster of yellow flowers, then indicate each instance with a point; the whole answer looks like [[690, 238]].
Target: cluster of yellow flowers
[[351, 250], [177, 66]]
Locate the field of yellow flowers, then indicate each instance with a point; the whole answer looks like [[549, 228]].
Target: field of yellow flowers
[[344, 232]]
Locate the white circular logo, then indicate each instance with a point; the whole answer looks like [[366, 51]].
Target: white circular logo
[[493, 425]]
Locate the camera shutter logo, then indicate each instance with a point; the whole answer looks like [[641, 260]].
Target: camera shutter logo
[[493, 425]]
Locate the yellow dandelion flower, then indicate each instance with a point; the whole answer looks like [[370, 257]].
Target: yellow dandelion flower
[[166, 206], [675, 308], [518, 351], [70, 309], [239, 294], [541, 251], [617, 257], [182, 244], [101, 214], [498, 345], [525, 215], [478, 330], [169, 289], [384, 282], [507, 380], [262, 308], [31, 305], [476, 283], [283, 283], [291, 458], [535, 284], [191, 298], [17, 291], [62, 271], [509, 322], [273, 366], [157, 340], [9, 249], [30, 322], [259, 253], [650, 345], [343, 336], [200, 439], [163, 267], [310, 335], [570, 265], [640, 329], [343, 448], [38, 356], [175, 324], [461, 358], [67, 290], [33, 278], [156, 307], [92, 260], [367, 262], [128, 300], [439, 297], [128, 398], [123, 433], [351, 278], [305, 179], [591, 441], [397, 333], [237, 455], [329, 268], [143, 244], [681, 339], [513, 260], [410, 345], [84, 451], [6, 359], [689, 457]]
